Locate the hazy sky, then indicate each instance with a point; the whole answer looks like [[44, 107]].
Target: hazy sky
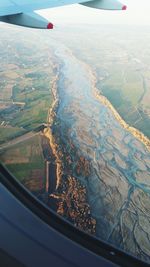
[[138, 12]]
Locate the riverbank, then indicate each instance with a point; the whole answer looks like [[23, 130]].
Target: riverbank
[[48, 131], [135, 132]]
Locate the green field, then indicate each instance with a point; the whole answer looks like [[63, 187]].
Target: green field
[[24, 159], [35, 111], [10, 133]]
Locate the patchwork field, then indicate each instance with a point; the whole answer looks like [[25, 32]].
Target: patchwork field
[[26, 162], [26, 75]]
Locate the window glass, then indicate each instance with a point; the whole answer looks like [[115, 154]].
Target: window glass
[[75, 125]]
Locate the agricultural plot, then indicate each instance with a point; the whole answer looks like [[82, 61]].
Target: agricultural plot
[[26, 76], [25, 161]]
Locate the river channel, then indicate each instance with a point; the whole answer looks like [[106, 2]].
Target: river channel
[[105, 158]]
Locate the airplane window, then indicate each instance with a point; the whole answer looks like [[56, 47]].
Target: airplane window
[[75, 126]]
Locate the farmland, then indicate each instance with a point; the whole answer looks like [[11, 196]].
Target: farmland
[[26, 78], [26, 75], [26, 162]]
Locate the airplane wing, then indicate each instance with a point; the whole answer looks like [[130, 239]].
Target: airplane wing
[[21, 12]]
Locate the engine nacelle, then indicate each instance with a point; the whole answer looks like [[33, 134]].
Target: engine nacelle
[[105, 4], [31, 20]]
